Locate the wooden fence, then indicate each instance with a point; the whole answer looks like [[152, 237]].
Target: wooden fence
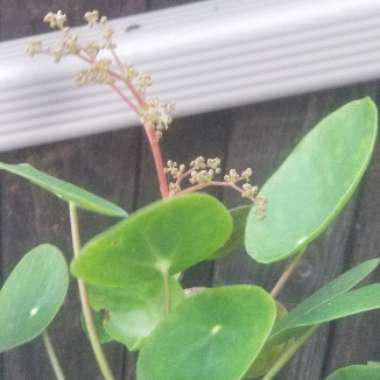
[[118, 165]]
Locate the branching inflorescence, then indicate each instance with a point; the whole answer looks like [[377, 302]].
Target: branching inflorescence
[[155, 116]]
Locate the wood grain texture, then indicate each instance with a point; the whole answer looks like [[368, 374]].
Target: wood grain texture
[[20, 18]]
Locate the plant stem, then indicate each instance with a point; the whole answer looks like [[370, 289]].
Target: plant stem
[[52, 356], [168, 300], [153, 143], [281, 362], [150, 133], [92, 334], [287, 274], [125, 98], [158, 161], [131, 87], [201, 186]]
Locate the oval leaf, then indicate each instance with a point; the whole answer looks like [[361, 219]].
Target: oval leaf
[[331, 302], [354, 302], [32, 296], [165, 237], [314, 183], [214, 335], [134, 312], [356, 372], [65, 190]]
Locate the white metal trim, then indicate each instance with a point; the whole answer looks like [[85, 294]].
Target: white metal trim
[[204, 56]]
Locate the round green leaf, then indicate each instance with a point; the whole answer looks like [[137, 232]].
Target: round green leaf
[[65, 190], [133, 313], [165, 237], [32, 296], [314, 183], [356, 372], [214, 335]]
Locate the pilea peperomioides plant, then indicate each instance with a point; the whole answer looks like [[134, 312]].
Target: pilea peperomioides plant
[[129, 275]]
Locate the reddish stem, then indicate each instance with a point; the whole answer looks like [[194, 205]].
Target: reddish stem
[[154, 146], [201, 186], [125, 98], [183, 176], [158, 161], [139, 98], [150, 133], [286, 274]]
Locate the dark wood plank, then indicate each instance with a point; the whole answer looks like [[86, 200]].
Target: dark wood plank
[[261, 137], [23, 18]]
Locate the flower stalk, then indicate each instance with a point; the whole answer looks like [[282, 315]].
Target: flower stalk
[[86, 309], [155, 116], [56, 366]]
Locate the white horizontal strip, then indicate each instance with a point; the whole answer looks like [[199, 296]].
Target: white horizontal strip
[[205, 56]]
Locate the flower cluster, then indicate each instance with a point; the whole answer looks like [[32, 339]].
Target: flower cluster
[[34, 48], [152, 113], [69, 44], [203, 172], [56, 20], [156, 115], [99, 72], [93, 19]]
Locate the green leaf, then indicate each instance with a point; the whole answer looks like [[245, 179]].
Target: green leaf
[[373, 364], [356, 372], [65, 190], [236, 240], [98, 318], [270, 352], [165, 237], [333, 301], [354, 302], [133, 313], [32, 296], [214, 335], [314, 183]]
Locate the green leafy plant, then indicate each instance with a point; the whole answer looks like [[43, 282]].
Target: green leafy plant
[[371, 371], [129, 275]]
